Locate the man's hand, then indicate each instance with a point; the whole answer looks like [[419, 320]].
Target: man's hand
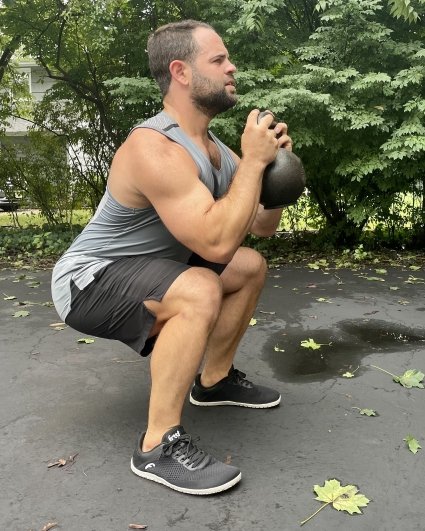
[[285, 141], [259, 144]]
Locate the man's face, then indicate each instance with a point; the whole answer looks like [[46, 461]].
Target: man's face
[[213, 83]]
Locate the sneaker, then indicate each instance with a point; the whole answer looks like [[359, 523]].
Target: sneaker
[[233, 390], [177, 463]]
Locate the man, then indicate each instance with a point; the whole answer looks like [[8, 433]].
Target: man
[[160, 266]]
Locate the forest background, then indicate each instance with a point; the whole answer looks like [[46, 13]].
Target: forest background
[[346, 75]]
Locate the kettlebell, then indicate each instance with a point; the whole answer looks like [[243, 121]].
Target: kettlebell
[[283, 179]]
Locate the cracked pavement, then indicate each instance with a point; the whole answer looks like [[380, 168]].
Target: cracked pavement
[[61, 398]]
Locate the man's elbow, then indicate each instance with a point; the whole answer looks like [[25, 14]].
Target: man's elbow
[[219, 253], [263, 232]]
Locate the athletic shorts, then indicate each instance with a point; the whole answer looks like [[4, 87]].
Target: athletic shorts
[[112, 306]]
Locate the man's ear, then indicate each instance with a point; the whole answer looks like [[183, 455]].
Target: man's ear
[[179, 71]]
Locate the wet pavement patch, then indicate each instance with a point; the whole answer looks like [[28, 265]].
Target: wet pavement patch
[[342, 348]]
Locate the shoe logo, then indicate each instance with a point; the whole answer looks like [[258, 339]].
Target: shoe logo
[[174, 436], [150, 465]]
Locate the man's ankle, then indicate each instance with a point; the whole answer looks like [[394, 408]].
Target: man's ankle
[[210, 379]]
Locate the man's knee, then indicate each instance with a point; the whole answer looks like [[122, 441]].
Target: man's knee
[[254, 265], [195, 295], [204, 291]]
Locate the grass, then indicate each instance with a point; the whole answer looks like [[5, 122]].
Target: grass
[[32, 218]]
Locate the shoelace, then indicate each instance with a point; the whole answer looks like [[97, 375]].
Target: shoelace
[[238, 377], [184, 446]]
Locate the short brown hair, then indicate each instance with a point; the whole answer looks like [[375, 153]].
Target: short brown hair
[[172, 42]]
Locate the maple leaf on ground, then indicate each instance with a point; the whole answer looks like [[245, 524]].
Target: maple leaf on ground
[[310, 343], [365, 411], [411, 378], [412, 444], [86, 340], [368, 412], [342, 498]]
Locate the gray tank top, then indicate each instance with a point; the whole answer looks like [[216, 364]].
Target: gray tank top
[[116, 231]]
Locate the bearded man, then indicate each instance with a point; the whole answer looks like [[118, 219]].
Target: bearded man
[[160, 265]]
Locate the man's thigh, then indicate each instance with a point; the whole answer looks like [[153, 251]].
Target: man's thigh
[[113, 305]]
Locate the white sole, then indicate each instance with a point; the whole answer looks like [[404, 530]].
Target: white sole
[[212, 490], [230, 403]]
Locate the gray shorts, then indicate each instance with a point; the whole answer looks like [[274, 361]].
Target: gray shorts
[[112, 306]]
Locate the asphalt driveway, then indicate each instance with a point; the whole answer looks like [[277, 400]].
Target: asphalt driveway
[[78, 407]]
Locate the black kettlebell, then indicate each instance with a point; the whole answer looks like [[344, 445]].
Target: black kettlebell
[[283, 179]]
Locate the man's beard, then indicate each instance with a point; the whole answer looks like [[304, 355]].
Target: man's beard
[[209, 98]]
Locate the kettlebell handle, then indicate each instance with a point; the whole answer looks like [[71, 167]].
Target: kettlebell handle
[[262, 114]]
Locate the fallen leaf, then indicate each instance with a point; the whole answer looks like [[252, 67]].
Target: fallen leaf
[[310, 343], [414, 268], [381, 271], [228, 459], [414, 280], [277, 349], [58, 463], [137, 526], [342, 498], [411, 378], [367, 412], [85, 340], [412, 444], [403, 303], [311, 286], [252, 322], [394, 288], [323, 299], [9, 297], [376, 279], [57, 324], [21, 313], [348, 375], [49, 526], [62, 462]]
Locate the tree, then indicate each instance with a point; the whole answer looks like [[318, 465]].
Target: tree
[[354, 94]]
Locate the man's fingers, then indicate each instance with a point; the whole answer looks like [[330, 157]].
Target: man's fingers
[[285, 141], [281, 129]]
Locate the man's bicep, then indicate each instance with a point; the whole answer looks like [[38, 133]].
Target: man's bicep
[[174, 189]]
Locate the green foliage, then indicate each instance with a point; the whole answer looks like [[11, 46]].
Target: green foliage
[[35, 242], [346, 75], [38, 169]]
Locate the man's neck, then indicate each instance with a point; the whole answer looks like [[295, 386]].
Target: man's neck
[[193, 121]]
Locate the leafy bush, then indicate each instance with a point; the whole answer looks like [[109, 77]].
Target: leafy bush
[[35, 242]]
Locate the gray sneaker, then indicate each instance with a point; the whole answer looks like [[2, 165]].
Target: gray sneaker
[[177, 463]]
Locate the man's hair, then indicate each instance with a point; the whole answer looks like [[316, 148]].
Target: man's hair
[[169, 43]]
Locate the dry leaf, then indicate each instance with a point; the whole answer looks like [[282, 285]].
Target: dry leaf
[[228, 460], [50, 525], [62, 462]]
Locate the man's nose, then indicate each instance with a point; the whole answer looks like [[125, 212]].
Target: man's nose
[[231, 68]]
